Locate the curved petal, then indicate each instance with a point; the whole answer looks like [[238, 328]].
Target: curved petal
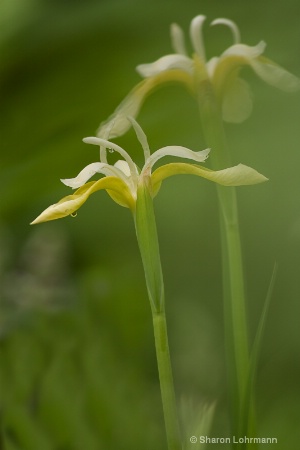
[[247, 52], [233, 176], [141, 136], [237, 101], [88, 172], [275, 75], [68, 205], [230, 24], [111, 145], [117, 124], [178, 151], [231, 61], [167, 62]]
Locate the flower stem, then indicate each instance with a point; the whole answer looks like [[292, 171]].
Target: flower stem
[[148, 243], [166, 381], [236, 335]]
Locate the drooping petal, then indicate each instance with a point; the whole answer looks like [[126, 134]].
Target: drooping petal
[[70, 204], [237, 101], [239, 175], [231, 61], [275, 75], [179, 152], [164, 63], [117, 124], [88, 172]]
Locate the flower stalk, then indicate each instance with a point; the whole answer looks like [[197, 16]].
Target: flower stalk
[[149, 248]]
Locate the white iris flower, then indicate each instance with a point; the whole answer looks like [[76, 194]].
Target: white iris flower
[[122, 179], [232, 92]]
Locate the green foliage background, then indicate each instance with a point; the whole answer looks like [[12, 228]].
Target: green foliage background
[[77, 362]]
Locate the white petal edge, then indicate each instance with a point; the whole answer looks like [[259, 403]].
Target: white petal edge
[[90, 171], [167, 62], [246, 51], [178, 151]]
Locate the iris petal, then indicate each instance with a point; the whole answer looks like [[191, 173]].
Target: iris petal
[[233, 176], [88, 172], [178, 151], [275, 75], [167, 62], [68, 205]]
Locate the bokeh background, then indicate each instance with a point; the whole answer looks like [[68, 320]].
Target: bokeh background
[[77, 361]]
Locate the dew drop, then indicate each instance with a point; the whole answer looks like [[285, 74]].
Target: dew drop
[[74, 214], [110, 150]]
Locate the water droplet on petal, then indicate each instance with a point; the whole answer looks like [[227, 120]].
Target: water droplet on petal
[[74, 214]]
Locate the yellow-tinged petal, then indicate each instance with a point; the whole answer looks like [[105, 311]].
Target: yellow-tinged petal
[[115, 187], [231, 61], [275, 75], [167, 62], [233, 176], [117, 124], [240, 55]]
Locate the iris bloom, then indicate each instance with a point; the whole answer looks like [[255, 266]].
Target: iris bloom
[[222, 73], [121, 180]]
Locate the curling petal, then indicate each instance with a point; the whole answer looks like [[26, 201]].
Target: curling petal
[[233, 176], [88, 172], [247, 52], [178, 151], [230, 24], [68, 205], [231, 61]]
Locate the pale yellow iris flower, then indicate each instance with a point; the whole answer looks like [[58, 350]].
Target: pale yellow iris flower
[[122, 179], [222, 73]]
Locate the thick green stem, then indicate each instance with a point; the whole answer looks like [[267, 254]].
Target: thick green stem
[[149, 248], [234, 292]]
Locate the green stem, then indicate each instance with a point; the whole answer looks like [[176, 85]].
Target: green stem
[[148, 243], [166, 381], [236, 335]]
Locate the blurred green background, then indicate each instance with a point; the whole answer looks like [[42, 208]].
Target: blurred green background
[[77, 361]]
